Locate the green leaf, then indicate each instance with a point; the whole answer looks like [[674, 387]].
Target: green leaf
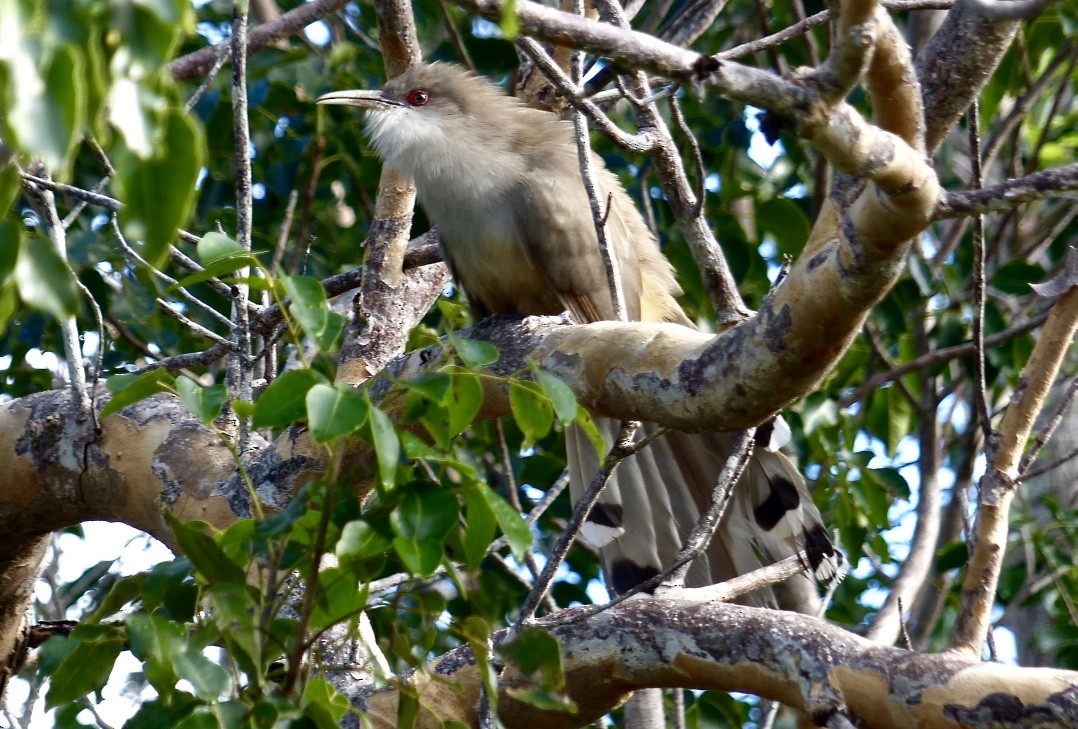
[[150, 29], [479, 525], [892, 480], [435, 419], [44, 280], [214, 247], [160, 191], [420, 558], [560, 394], [360, 540], [334, 411], [9, 304], [786, 221], [875, 501], [85, 670], [538, 656], [387, 446], [336, 598], [952, 556], [509, 24], [585, 422], [531, 410], [432, 386], [10, 186], [10, 241], [477, 632], [169, 589], [900, 417], [416, 448], [236, 614], [62, 109], [208, 679], [533, 650], [323, 703], [463, 401], [511, 522], [422, 521], [203, 402], [818, 410], [158, 713], [218, 268], [132, 113], [285, 400], [277, 524], [889, 416], [129, 389], [474, 353], [203, 717], [425, 513], [124, 591], [207, 557], [1016, 276], [309, 307]]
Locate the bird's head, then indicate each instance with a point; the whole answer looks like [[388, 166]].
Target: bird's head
[[429, 115]]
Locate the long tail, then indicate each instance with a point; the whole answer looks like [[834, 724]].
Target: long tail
[[655, 497]]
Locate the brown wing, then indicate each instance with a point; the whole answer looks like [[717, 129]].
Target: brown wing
[[559, 235]]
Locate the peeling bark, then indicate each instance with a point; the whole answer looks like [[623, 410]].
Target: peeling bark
[[815, 667]]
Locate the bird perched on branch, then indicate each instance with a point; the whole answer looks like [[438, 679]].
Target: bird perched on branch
[[502, 184]]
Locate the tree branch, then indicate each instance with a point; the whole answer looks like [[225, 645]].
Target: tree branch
[[682, 641], [1007, 195], [999, 483], [378, 330], [291, 23]]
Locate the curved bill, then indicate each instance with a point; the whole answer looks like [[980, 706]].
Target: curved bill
[[358, 97]]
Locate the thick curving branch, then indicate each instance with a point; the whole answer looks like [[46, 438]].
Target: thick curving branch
[[687, 642]]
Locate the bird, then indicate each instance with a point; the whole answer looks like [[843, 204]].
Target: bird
[[501, 182]]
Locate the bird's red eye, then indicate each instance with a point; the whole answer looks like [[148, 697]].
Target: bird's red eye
[[417, 97]]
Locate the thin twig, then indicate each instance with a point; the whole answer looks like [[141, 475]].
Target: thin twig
[[238, 370], [980, 399], [44, 203], [112, 205], [940, 355], [902, 622], [179, 362], [688, 211], [727, 591], [694, 147], [1006, 195], [136, 259], [102, 342], [607, 254], [709, 521], [91, 197], [623, 448], [1049, 428], [455, 36], [1051, 465], [224, 52], [291, 23], [630, 142]]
